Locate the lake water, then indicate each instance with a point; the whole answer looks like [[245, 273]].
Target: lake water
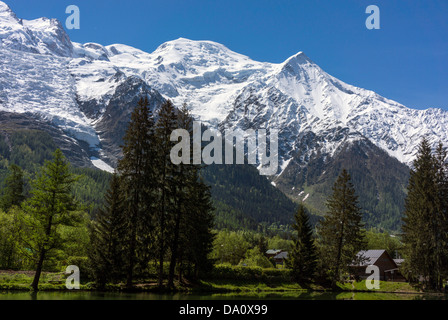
[[83, 295]]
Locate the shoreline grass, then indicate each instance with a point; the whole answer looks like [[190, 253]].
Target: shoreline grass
[[12, 281]]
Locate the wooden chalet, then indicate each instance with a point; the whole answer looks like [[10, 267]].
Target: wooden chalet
[[389, 269]]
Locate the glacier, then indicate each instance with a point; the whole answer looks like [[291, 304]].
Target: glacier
[[45, 74]]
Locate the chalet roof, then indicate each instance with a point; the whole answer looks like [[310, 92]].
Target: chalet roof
[[368, 257], [273, 251], [282, 255]]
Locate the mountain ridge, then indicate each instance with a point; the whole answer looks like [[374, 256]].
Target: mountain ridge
[[87, 92], [295, 95]]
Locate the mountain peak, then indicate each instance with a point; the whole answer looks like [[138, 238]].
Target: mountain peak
[[186, 47], [298, 59], [195, 56], [6, 13], [39, 36]]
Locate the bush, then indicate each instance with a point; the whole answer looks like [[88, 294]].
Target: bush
[[243, 273]]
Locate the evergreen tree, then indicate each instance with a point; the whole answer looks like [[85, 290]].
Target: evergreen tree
[[51, 205], [425, 217], [440, 223], [420, 208], [198, 231], [137, 177], [166, 183], [14, 193], [185, 174], [107, 254], [190, 240], [302, 259], [341, 231], [262, 244]]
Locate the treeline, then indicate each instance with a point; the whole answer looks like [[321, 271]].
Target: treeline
[[327, 254], [242, 198], [154, 220], [425, 221], [320, 253], [255, 203], [155, 213], [29, 149]]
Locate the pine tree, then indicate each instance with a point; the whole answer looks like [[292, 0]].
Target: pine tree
[[14, 193], [137, 177], [192, 222], [341, 232], [420, 208], [184, 175], [50, 206], [198, 231], [425, 220], [302, 259], [440, 221], [107, 254], [166, 183]]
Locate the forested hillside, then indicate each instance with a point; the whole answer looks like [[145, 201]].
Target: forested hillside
[[243, 199], [29, 149]]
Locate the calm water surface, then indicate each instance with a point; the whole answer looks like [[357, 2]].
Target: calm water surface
[[82, 295]]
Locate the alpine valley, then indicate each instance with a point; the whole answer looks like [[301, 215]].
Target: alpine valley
[[80, 96]]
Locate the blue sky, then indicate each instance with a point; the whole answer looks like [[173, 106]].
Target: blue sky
[[406, 60]]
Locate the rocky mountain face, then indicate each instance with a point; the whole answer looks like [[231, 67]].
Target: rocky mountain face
[[87, 92]]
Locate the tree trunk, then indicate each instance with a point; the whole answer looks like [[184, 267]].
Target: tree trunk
[[162, 240], [130, 273], [35, 284], [174, 250], [338, 258], [40, 263]]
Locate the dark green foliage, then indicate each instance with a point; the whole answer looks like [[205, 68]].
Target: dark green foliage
[[425, 218], [38, 146], [244, 198], [91, 188], [198, 228], [302, 259], [107, 250], [14, 191], [341, 232], [247, 274], [30, 148], [380, 181], [137, 176], [166, 207], [230, 218], [440, 223]]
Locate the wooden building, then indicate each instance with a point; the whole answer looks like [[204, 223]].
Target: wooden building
[[271, 253], [389, 270], [281, 258]]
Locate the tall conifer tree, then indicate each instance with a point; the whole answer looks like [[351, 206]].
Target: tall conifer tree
[[302, 259], [425, 217], [198, 230], [441, 219], [185, 174], [166, 183], [137, 175], [341, 232], [107, 253]]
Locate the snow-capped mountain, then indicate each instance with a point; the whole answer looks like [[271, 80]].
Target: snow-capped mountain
[[87, 89]]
